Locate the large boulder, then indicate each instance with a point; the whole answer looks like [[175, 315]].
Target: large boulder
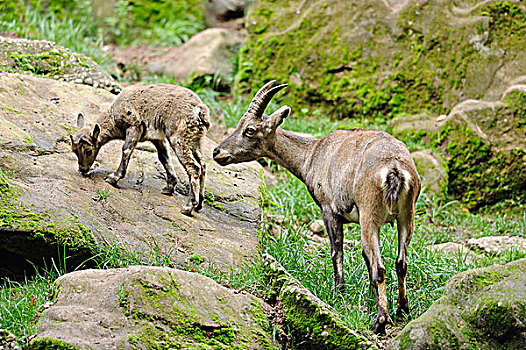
[[385, 57], [47, 59], [483, 145], [150, 308], [44, 200], [305, 315], [482, 309], [210, 53]]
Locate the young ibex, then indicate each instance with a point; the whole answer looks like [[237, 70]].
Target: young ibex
[[168, 116], [361, 176]]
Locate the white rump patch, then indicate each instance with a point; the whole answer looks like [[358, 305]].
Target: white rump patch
[[407, 179], [383, 175]]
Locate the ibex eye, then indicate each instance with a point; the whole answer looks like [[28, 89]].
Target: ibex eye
[[88, 152], [250, 131]]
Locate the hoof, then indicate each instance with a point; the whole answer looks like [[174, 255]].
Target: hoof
[[380, 323], [112, 180], [168, 191], [199, 205], [186, 211]]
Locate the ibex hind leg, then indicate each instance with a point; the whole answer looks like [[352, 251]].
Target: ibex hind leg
[[405, 231], [193, 169], [132, 138], [199, 158], [163, 153], [371, 254]]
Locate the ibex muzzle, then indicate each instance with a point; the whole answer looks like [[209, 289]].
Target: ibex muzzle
[[361, 176]]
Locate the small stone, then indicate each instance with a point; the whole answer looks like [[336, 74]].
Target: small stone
[[317, 227]]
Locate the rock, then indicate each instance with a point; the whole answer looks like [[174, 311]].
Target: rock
[[207, 54], [149, 308], [482, 308], [220, 11], [455, 250], [497, 244], [431, 168], [383, 58], [482, 144], [45, 200], [47, 59], [307, 317], [317, 227], [8, 340]]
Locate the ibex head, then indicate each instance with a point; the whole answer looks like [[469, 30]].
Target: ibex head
[[85, 144], [255, 133]]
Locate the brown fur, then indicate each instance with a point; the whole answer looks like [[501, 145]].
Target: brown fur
[[168, 116], [362, 176]]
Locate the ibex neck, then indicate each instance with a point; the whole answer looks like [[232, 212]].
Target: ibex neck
[[292, 152], [107, 131]]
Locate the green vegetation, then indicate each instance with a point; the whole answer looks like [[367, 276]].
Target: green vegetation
[[83, 27]]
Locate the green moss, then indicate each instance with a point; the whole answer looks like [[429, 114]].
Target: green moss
[[177, 328], [425, 63], [38, 226], [479, 175], [49, 343]]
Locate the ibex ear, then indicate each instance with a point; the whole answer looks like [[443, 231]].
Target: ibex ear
[[71, 138], [80, 121], [276, 118], [95, 132]]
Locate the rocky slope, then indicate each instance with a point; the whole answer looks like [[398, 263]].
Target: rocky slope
[[45, 200]]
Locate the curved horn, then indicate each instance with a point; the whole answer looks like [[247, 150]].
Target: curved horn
[[263, 97]]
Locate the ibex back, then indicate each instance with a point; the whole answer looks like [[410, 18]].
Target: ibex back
[[168, 116], [362, 176]]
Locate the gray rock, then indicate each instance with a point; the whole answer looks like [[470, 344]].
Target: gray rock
[[151, 307], [497, 244], [464, 254], [208, 53], [49, 201], [47, 59], [482, 308], [432, 169]]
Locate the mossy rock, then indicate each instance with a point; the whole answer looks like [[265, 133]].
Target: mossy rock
[[383, 58], [483, 144], [144, 307], [482, 309], [47, 59], [433, 171], [309, 319]]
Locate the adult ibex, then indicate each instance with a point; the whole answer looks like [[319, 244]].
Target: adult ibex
[[168, 116], [362, 176]]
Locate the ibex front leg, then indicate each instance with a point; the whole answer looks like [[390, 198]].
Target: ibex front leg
[[335, 232], [132, 138]]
